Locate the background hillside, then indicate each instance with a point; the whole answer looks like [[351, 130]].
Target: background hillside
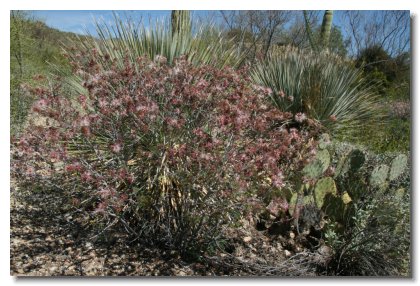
[[35, 49]]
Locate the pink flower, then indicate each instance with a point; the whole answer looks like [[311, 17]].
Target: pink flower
[[82, 99], [282, 94], [85, 122], [205, 156], [277, 180], [75, 167], [300, 117], [116, 102], [30, 171], [173, 122], [268, 91], [294, 133], [87, 176], [116, 147], [100, 209], [40, 105], [105, 193], [123, 198]]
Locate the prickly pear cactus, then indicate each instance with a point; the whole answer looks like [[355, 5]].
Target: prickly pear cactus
[[313, 170], [324, 141], [318, 166], [350, 163], [346, 198], [334, 207], [300, 199], [379, 176], [307, 200], [324, 157], [356, 160], [397, 166], [323, 187], [340, 169], [292, 203], [400, 193]]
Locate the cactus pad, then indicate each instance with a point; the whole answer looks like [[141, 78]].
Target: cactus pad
[[350, 163], [356, 160], [379, 176], [346, 198], [334, 208], [313, 170], [341, 166], [400, 193], [318, 166], [324, 157], [324, 141], [397, 166], [323, 187], [307, 200], [292, 203]]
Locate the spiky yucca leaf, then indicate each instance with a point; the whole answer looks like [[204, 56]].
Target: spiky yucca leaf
[[125, 39], [322, 86]]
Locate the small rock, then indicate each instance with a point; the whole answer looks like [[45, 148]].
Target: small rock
[[292, 235]]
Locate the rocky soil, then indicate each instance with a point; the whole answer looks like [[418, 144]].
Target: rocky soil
[[46, 240], [49, 240]]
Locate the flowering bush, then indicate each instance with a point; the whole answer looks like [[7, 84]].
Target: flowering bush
[[170, 152]]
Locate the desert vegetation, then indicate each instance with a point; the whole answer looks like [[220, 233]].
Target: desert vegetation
[[238, 149]]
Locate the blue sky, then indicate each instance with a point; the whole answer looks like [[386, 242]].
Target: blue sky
[[78, 21], [82, 21]]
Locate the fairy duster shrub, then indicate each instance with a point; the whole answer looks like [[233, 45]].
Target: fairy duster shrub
[[168, 151]]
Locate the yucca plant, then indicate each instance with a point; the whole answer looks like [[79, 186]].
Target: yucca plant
[[125, 39], [320, 85]]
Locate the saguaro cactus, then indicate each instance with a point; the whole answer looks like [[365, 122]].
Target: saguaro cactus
[[325, 31], [326, 28], [181, 22]]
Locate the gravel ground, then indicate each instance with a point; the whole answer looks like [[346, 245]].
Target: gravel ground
[[49, 240]]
